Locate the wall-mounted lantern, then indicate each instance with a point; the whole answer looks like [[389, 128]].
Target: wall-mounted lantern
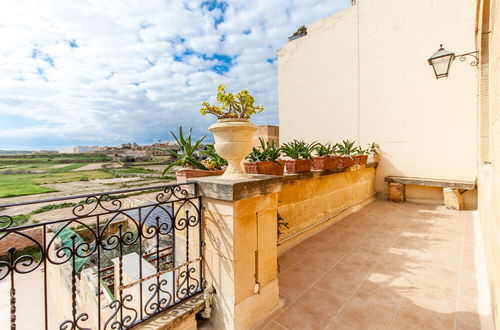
[[441, 61]]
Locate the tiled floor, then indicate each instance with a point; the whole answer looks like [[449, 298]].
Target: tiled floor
[[388, 266]]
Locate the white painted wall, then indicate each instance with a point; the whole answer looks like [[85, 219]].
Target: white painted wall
[[374, 84]]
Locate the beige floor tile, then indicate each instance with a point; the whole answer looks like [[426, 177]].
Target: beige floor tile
[[296, 280], [389, 266], [313, 310]]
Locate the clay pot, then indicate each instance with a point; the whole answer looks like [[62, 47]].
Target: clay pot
[[298, 166], [374, 157], [360, 159], [186, 173], [346, 161], [233, 142], [267, 167], [323, 163]]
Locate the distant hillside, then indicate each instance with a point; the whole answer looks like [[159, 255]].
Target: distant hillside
[[15, 152]]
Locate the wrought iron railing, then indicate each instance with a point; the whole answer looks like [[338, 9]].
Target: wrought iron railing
[[109, 261]]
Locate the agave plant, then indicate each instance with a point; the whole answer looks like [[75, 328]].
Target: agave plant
[[361, 151], [325, 149], [267, 151], [185, 156], [214, 160], [298, 149], [347, 148], [373, 147]]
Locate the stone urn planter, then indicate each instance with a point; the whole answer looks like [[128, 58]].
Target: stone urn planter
[[264, 167], [183, 174], [323, 163], [360, 159], [298, 166], [233, 142]]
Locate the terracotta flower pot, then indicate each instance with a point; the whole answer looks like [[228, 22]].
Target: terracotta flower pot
[[251, 168], [298, 166], [233, 142], [323, 163], [268, 168], [346, 161], [360, 159], [186, 173]]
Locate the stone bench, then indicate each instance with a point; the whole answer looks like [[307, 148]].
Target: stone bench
[[452, 190]]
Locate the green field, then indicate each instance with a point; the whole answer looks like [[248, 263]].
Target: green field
[[22, 175]]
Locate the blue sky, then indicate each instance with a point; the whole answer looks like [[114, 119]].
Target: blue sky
[[110, 72]]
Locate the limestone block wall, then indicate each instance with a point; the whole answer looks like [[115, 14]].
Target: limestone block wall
[[308, 200]]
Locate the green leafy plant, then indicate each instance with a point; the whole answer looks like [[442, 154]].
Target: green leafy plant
[[214, 160], [267, 151], [185, 156], [298, 149], [373, 147], [239, 105], [257, 155], [360, 151], [346, 148], [325, 149]]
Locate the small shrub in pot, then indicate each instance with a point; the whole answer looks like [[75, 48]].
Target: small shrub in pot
[[360, 156], [325, 158], [264, 159], [186, 159], [373, 156], [346, 150], [300, 153]]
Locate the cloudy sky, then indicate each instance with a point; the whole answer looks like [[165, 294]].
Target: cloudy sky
[[108, 72]]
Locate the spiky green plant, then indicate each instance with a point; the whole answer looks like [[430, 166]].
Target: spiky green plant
[[298, 149], [266, 151], [185, 156], [215, 160], [325, 149], [347, 148], [373, 147]]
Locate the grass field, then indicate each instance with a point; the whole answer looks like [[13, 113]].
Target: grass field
[[28, 184], [27, 175]]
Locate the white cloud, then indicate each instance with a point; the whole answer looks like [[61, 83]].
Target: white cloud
[[107, 72]]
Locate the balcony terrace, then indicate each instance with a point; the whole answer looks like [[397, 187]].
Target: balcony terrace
[[388, 266]]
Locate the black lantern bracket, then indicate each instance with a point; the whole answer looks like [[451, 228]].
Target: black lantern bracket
[[474, 61]]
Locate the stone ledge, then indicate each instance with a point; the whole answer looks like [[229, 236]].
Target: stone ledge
[[256, 185], [314, 174], [234, 190], [174, 317]]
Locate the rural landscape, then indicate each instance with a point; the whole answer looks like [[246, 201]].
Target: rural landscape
[[25, 177]]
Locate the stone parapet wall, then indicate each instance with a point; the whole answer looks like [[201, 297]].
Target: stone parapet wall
[[311, 199]]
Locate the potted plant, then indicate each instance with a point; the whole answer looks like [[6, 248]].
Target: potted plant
[[214, 162], [185, 158], [373, 149], [360, 156], [325, 158], [233, 132], [265, 159], [300, 154], [346, 151]]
